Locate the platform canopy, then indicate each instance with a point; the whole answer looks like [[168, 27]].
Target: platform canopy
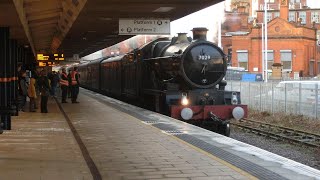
[[83, 26]]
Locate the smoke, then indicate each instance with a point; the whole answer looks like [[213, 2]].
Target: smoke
[[209, 17]]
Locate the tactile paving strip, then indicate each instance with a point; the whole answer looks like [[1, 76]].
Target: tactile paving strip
[[237, 161], [253, 169], [165, 127]]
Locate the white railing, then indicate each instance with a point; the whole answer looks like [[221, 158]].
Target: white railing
[[301, 98]]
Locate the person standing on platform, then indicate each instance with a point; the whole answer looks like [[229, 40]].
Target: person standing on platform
[[44, 88], [54, 82], [69, 88], [32, 93], [64, 83], [74, 82], [23, 90]]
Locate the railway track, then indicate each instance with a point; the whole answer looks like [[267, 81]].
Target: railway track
[[279, 132]]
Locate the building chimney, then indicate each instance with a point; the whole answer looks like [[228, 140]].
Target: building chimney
[[284, 9], [182, 38], [199, 33]]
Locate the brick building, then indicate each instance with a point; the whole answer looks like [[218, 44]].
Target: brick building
[[291, 43]]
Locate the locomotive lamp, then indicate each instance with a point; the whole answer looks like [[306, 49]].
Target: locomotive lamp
[[186, 113], [238, 113], [184, 100]]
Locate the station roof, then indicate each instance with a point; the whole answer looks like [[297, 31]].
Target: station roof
[[83, 26]]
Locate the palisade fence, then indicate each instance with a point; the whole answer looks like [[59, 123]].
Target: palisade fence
[[297, 98]]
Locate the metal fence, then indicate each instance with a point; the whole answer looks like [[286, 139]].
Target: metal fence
[[300, 98]]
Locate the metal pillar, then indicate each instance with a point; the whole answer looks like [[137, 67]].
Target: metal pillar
[[8, 79], [14, 53], [5, 121]]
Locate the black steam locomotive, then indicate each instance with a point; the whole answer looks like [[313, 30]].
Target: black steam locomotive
[[180, 77]]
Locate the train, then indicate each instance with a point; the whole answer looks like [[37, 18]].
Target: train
[[181, 77]]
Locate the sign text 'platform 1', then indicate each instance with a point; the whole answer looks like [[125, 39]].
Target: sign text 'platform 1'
[[144, 26]]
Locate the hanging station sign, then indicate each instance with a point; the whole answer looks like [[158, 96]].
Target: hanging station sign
[[49, 59], [144, 26]]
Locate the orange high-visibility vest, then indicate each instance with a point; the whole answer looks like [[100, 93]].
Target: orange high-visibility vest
[[64, 82], [73, 78]]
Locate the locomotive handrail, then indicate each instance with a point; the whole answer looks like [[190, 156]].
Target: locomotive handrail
[[165, 57]]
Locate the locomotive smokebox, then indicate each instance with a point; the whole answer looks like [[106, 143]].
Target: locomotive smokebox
[[199, 33]]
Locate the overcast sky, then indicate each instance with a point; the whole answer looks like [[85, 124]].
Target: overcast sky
[[313, 3]]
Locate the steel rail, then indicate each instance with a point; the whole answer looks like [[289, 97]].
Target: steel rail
[[280, 132]]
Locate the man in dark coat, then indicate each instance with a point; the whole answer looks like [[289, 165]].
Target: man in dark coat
[[44, 87], [64, 84]]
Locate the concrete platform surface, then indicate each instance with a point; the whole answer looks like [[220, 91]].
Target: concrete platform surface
[[41, 146], [123, 147]]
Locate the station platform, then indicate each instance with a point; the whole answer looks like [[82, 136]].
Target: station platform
[[103, 138], [41, 146]]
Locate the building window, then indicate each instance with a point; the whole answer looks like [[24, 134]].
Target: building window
[[302, 15], [315, 17], [243, 58], [269, 17], [311, 68], [318, 64], [270, 58], [276, 14], [292, 16], [286, 59], [261, 6]]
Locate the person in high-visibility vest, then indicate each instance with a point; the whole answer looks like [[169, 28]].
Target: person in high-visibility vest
[[74, 83], [64, 84]]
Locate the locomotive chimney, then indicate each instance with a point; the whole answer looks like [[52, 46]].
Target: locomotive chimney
[[199, 33], [182, 38]]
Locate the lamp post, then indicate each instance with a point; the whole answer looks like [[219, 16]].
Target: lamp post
[[266, 40], [262, 48]]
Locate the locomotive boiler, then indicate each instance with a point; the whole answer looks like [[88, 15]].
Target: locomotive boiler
[[180, 77]]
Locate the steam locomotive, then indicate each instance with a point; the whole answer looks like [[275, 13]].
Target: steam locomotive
[[180, 77]]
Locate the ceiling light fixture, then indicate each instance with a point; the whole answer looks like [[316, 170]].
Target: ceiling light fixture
[[105, 18], [164, 9]]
